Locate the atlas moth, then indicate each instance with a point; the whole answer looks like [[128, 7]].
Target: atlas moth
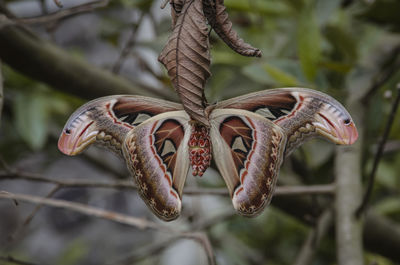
[[248, 138]]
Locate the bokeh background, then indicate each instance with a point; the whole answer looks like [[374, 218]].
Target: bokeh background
[[348, 49]]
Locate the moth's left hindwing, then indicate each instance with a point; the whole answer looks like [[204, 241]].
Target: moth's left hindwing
[[301, 113], [156, 153], [248, 150], [106, 121]]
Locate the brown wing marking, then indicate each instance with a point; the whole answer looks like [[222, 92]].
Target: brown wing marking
[[269, 105], [133, 111], [301, 113], [238, 136], [250, 165], [152, 151], [165, 141], [107, 120]]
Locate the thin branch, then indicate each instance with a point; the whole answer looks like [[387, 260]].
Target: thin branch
[[39, 206], [164, 3], [378, 155], [5, 21], [1, 91], [204, 241], [61, 14], [39, 59], [58, 3], [10, 259], [389, 67], [128, 47], [279, 191], [158, 246], [139, 223], [314, 238]]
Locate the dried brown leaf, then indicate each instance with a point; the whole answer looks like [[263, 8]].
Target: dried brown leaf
[[187, 58], [176, 9], [217, 16]]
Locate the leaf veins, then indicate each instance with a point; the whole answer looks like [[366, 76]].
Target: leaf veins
[[217, 16], [187, 58]]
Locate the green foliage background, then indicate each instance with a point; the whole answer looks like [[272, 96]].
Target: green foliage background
[[324, 45]]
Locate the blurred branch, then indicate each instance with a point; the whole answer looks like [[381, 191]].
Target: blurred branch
[[145, 252], [58, 3], [204, 241], [389, 67], [314, 238], [348, 229], [12, 260], [1, 91], [39, 206], [139, 223], [378, 156], [40, 60], [128, 47], [61, 14], [380, 235], [285, 190]]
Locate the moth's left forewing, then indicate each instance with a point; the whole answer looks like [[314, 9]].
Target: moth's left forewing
[[248, 150], [156, 153]]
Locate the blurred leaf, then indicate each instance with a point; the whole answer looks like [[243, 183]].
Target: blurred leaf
[[229, 57], [142, 4], [384, 12], [281, 77], [256, 73], [342, 68], [343, 42], [325, 10], [386, 174], [388, 206], [31, 118], [258, 6], [73, 253], [220, 79], [277, 72], [309, 42]]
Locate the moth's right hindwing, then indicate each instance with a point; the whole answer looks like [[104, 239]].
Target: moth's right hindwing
[[107, 121]]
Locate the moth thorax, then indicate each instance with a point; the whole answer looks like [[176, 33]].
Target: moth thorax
[[199, 149]]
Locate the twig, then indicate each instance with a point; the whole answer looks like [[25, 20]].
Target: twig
[[378, 155], [5, 21], [58, 3], [10, 259], [145, 252], [314, 238], [1, 91], [158, 246], [128, 47], [37, 208], [114, 216], [279, 191], [389, 67], [204, 241], [63, 13], [164, 4], [139, 223]]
